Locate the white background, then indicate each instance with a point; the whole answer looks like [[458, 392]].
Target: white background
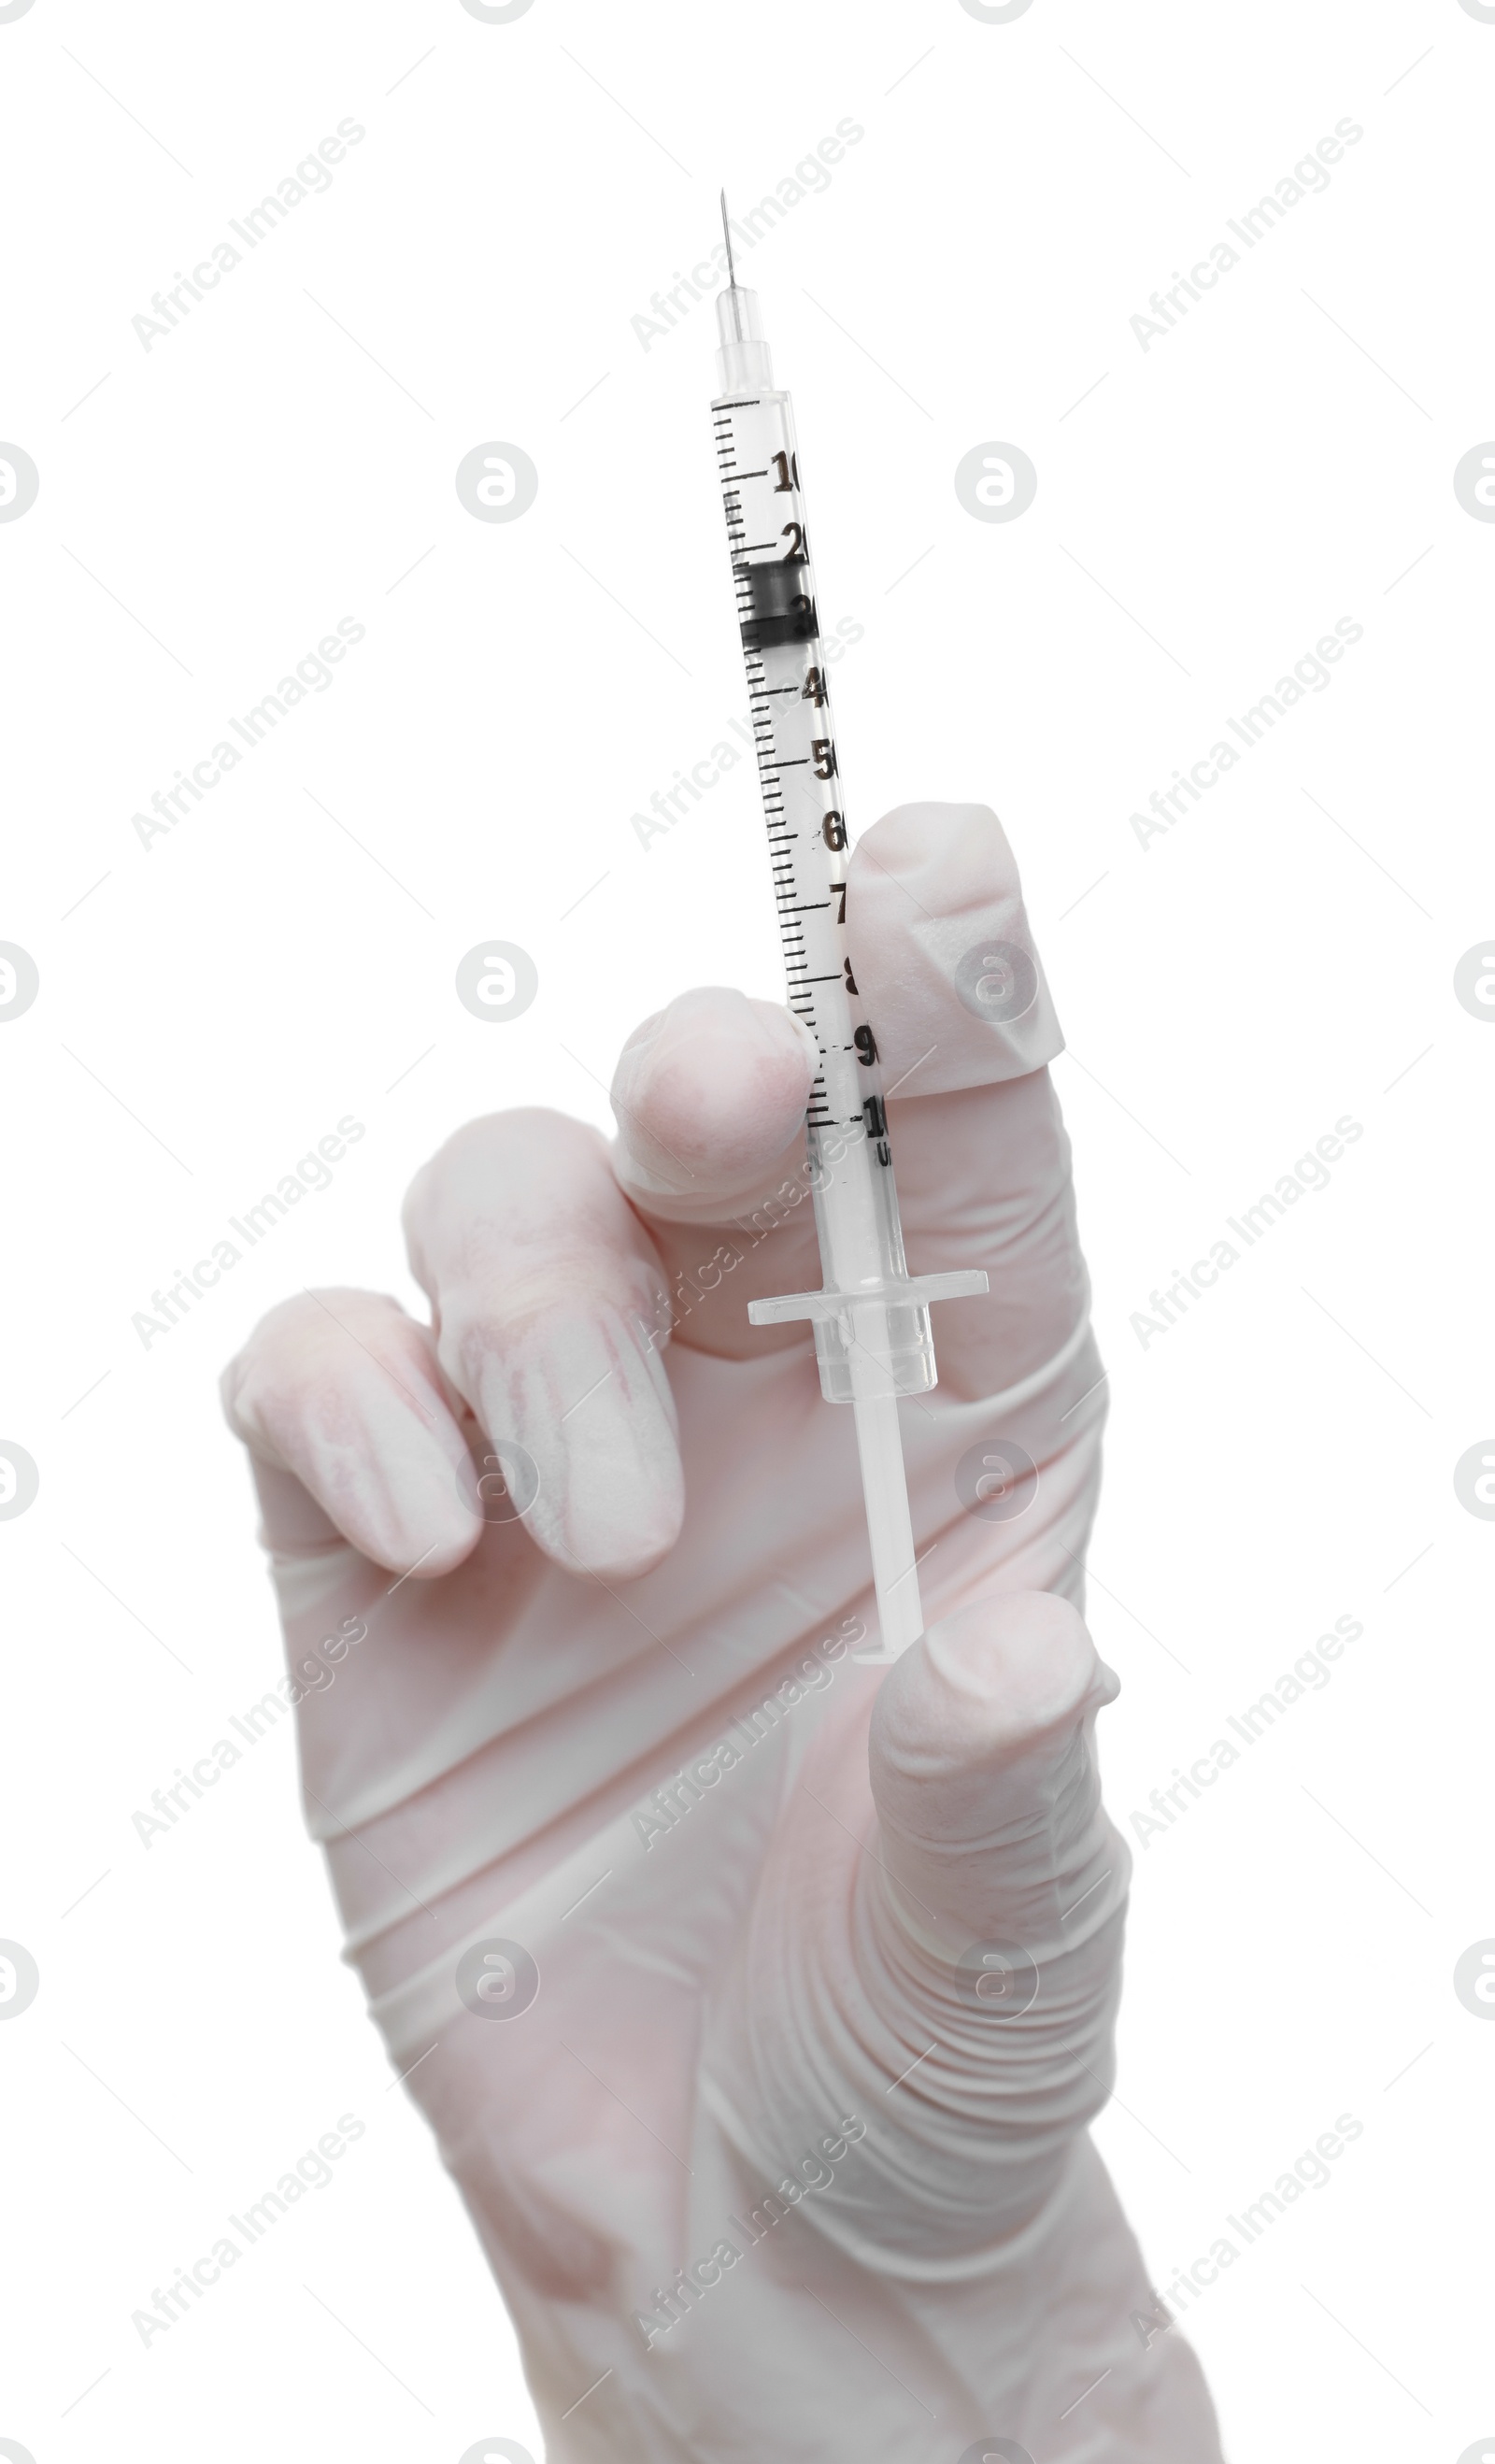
[[209, 1007]]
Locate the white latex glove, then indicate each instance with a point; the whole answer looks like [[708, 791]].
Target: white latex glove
[[761, 2170]]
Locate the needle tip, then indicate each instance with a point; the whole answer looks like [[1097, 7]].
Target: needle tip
[[726, 229]]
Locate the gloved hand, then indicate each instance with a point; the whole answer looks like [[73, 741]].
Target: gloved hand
[[757, 1997]]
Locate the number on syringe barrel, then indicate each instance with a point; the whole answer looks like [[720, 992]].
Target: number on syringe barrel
[[813, 688], [795, 553], [824, 752], [788, 466], [876, 1120]]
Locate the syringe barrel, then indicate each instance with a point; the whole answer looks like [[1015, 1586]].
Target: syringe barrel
[[873, 1347], [881, 1345]]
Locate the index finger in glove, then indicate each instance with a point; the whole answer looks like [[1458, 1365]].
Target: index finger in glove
[[711, 1093]]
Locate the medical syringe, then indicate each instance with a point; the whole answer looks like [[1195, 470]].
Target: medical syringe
[[873, 1337]]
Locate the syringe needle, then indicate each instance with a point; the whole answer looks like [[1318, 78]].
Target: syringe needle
[[726, 233]]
